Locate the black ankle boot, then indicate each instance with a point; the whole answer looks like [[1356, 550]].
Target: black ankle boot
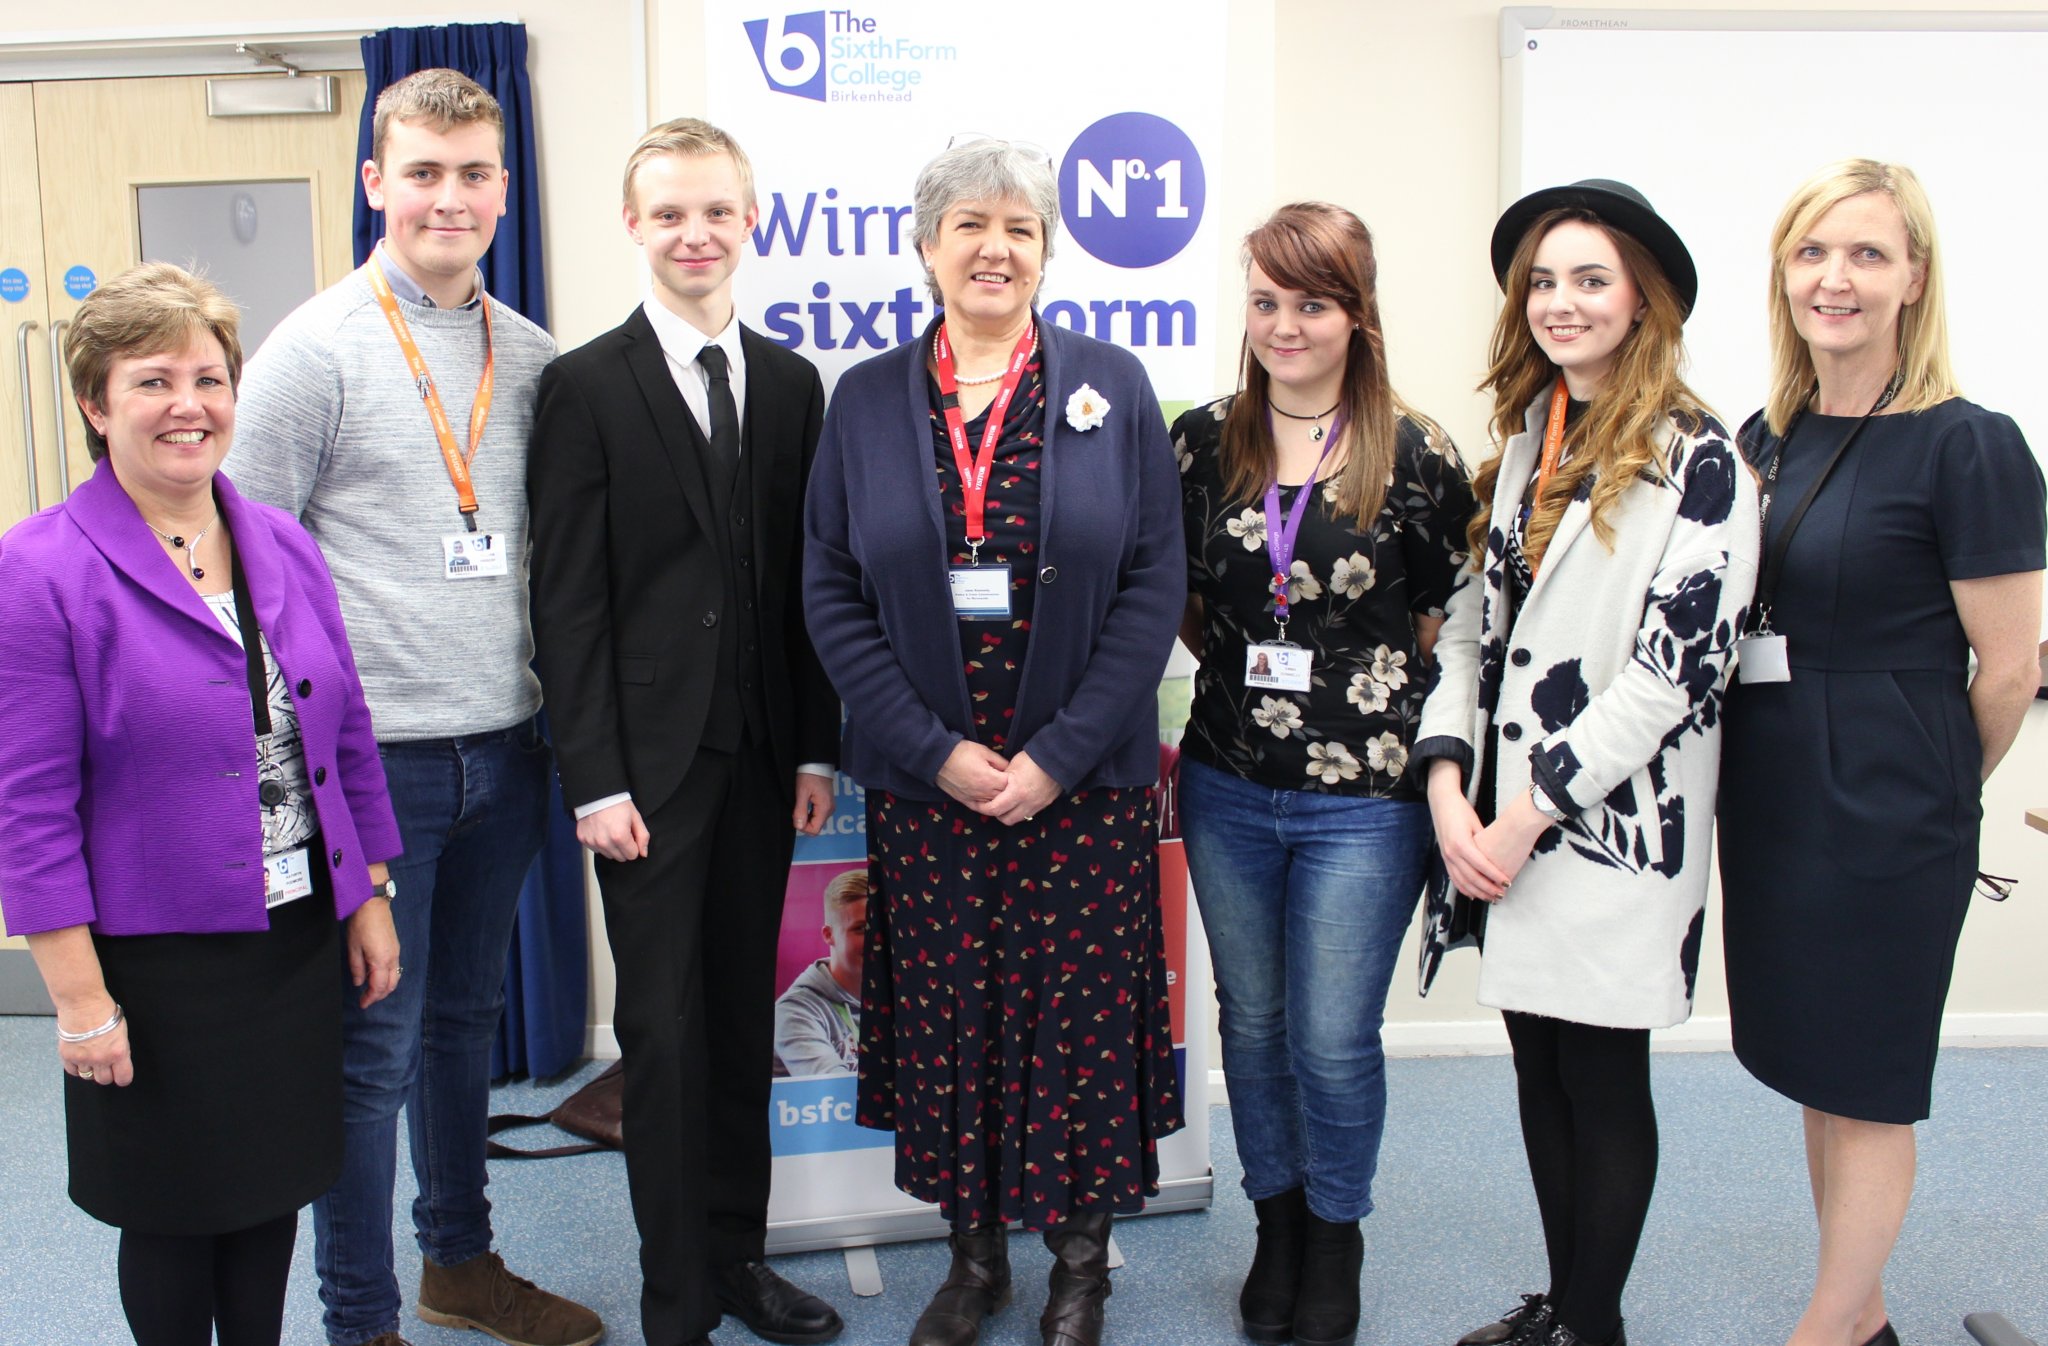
[[1080, 1281], [1266, 1304], [1326, 1304], [977, 1286]]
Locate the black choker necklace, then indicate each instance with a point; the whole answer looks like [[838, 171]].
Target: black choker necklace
[[1315, 435]]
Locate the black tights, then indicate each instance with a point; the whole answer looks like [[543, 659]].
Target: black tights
[[176, 1288], [1590, 1127]]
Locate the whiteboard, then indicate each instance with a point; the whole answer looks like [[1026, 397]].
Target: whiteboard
[[1717, 117]]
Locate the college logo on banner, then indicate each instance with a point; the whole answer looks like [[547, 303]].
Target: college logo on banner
[[838, 56]]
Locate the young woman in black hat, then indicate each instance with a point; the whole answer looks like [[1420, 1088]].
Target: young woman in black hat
[[1574, 730]]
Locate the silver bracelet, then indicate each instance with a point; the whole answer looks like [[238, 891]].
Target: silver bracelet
[[91, 1033]]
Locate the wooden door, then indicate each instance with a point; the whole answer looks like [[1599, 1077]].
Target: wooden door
[[24, 311]]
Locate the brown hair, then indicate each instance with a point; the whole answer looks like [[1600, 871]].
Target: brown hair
[[1928, 378], [147, 310], [1326, 251], [690, 138], [1624, 431], [443, 99]]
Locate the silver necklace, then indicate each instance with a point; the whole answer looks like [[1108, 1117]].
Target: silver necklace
[[979, 379], [187, 547]]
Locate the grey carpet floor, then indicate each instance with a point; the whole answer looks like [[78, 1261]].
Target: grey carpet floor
[[1726, 1258]]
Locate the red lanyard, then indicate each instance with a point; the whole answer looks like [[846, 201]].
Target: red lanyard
[[480, 410], [974, 471]]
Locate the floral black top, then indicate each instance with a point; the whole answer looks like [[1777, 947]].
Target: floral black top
[[1353, 599]]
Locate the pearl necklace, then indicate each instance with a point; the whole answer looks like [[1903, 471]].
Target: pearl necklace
[[963, 381], [187, 547]]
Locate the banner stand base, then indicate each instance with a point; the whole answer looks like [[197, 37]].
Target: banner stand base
[[863, 1272], [857, 1233]]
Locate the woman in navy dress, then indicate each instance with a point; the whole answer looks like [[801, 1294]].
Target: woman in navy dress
[[1856, 740], [993, 578]]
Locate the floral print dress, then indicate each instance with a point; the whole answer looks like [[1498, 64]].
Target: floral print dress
[[1352, 595], [1013, 1030]]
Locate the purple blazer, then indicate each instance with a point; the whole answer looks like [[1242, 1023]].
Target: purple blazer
[[127, 753]]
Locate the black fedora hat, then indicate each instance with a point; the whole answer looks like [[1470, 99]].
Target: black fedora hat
[[1617, 204]]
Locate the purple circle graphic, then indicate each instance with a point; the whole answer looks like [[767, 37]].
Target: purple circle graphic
[[1132, 189]]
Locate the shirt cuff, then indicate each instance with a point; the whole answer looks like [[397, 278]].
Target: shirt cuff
[[596, 805], [825, 769]]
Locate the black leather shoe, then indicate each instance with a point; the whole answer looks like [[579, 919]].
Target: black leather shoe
[[1560, 1335], [1266, 1304], [1884, 1336], [771, 1307], [1529, 1320], [977, 1286], [1080, 1281], [1326, 1304]]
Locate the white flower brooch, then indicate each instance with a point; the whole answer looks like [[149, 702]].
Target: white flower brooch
[[1087, 408]]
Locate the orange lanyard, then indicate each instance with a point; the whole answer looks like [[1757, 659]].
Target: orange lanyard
[[1553, 444], [479, 412]]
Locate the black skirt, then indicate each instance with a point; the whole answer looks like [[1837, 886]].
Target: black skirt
[[234, 1117]]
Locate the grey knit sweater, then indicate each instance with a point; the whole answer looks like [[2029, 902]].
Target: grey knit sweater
[[331, 428]]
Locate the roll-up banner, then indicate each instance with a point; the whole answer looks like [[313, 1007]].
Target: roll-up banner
[[838, 109]]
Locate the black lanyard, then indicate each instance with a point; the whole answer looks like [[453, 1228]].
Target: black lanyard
[[1774, 557], [252, 642]]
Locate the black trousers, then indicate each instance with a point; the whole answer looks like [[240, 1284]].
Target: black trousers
[[693, 929]]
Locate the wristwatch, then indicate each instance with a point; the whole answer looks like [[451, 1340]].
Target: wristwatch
[[1545, 806], [388, 890]]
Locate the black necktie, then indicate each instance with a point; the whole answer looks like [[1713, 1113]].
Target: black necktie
[[725, 413]]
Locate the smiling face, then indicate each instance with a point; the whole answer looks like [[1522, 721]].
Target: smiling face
[[168, 420], [1582, 303], [690, 212], [986, 259], [1302, 340], [1850, 276], [442, 193]]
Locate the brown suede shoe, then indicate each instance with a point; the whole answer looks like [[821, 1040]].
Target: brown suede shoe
[[387, 1339], [481, 1294]]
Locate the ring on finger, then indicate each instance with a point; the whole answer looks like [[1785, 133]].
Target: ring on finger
[[85, 1072]]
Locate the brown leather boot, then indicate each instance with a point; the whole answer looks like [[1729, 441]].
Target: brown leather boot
[[481, 1294], [977, 1286], [1080, 1281]]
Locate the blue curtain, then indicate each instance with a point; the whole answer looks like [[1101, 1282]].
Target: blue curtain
[[494, 55], [545, 978]]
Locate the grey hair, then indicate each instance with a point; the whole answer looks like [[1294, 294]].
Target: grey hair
[[983, 170]]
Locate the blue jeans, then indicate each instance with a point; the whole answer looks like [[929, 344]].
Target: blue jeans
[[1306, 898], [470, 814]]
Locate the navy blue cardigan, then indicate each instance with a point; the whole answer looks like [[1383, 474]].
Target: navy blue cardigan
[[1112, 583]]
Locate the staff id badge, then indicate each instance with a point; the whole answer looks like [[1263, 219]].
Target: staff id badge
[[472, 556], [1284, 668], [1763, 658], [981, 593], [287, 877]]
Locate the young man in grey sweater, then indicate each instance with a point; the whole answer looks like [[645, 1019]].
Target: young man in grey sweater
[[391, 414]]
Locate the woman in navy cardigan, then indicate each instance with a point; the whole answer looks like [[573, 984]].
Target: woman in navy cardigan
[[186, 822], [994, 577]]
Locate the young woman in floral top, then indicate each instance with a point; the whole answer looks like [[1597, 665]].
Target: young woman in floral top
[[1305, 832]]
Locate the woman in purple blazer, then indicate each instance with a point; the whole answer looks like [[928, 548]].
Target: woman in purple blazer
[[194, 821], [993, 578]]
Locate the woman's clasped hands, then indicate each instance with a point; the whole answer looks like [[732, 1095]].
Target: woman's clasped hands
[[1009, 789]]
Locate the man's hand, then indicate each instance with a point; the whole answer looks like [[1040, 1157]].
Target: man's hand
[[616, 832], [813, 803]]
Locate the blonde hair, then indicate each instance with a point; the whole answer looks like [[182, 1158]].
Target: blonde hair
[[146, 310], [843, 891], [1625, 428], [1325, 251], [690, 138], [1927, 377], [442, 99]]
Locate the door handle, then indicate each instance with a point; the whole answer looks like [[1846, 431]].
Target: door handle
[[57, 408], [28, 416]]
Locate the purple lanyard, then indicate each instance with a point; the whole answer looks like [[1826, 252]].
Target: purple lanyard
[[1280, 545]]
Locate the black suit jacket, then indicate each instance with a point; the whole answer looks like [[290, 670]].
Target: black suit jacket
[[628, 549]]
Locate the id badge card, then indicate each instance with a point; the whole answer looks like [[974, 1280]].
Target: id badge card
[[1762, 658], [287, 877], [1283, 668], [472, 556], [981, 593]]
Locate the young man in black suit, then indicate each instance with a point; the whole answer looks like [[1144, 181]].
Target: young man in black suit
[[692, 722]]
